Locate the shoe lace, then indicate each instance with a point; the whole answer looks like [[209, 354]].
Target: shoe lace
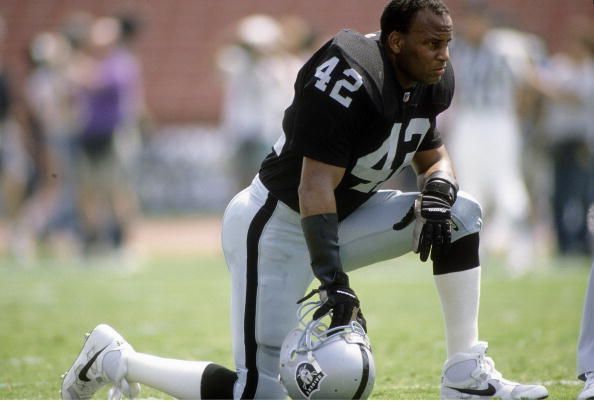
[[590, 379], [487, 368], [122, 389]]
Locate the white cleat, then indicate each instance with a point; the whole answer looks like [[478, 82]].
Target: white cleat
[[484, 382], [588, 391], [86, 375]]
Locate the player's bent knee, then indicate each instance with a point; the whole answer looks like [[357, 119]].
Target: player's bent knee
[[217, 383], [462, 255], [467, 216]]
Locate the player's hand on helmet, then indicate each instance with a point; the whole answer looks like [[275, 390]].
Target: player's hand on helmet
[[339, 299], [431, 212]]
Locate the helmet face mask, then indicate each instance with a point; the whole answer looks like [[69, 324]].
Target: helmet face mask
[[317, 363]]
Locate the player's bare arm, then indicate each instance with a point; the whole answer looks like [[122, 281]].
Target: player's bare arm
[[319, 221], [430, 161], [316, 188]]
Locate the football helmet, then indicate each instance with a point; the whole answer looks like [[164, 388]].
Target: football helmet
[[321, 363]]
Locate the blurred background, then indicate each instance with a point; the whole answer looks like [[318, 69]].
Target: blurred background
[[128, 125]]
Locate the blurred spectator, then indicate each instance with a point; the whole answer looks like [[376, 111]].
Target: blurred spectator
[[16, 162], [568, 123], [258, 73], [136, 120], [49, 99], [105, 82], [298, 38], [484, 116]]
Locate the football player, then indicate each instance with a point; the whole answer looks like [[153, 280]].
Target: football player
[[364, 109]]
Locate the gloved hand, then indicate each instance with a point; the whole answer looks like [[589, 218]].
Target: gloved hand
[[432, 215], [432, 230], [339, 299]]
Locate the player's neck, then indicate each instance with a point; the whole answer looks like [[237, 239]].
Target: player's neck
[[403, 78]]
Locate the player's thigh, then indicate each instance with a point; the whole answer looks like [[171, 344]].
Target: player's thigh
[[367, 236], [284, 273], [281, 265], [265, 286]]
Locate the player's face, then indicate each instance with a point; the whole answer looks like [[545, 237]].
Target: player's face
[[423, 52]]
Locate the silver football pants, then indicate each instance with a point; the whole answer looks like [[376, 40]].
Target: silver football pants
[[270, 269]]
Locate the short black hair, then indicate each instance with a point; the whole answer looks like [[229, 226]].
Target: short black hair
[[399, 14]]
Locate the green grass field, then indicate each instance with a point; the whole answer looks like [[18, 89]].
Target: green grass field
[[178, 307]]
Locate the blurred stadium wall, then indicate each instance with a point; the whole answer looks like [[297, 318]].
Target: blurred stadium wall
[[180, 37]]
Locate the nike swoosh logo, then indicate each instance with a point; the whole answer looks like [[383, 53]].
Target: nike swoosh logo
[[83, 372], [454, 226], [489, 391]]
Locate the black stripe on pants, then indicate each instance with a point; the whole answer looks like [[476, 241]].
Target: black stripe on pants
[[251, 291]]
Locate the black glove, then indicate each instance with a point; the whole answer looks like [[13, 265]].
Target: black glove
[[339, 299], [321, 236], [432, 215], [436, 234], [343, 304]]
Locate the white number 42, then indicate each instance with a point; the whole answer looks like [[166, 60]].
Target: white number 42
[[324, 72]]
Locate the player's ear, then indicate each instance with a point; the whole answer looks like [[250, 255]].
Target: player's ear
[[395, 41]]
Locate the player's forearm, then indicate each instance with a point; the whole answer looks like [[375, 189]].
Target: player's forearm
[[320, 229], [321, 235], [315, 200], [319, 219], [429, 162]]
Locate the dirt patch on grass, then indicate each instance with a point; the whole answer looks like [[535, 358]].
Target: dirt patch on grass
[[178, 235]]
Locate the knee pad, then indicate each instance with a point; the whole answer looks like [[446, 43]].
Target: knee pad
[[467, 216], [462, 255], [217, 383]]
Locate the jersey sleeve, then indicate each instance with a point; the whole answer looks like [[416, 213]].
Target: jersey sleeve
[[433, 138], [332, 110]]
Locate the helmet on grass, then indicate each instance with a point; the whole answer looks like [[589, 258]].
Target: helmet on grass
[[321, 363]]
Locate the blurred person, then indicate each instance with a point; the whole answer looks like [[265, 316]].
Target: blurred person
[[299, 38], [136, 120], [257, 76], [104, 82], [8, 184], [568, 125], [49, 95], [484, 116], [17, 164], [365, 106]]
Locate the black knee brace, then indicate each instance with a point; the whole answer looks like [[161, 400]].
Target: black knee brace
[[217, 383], [462, 255]]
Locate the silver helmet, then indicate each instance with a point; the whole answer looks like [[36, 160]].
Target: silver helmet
[[318, 363]]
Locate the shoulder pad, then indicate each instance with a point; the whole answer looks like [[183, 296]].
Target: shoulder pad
[[365, 52]]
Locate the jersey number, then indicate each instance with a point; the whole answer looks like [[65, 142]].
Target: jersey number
[[324, 72], [396, 153]]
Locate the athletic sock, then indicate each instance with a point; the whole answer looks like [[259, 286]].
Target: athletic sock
[[459, 293], [177, 378]]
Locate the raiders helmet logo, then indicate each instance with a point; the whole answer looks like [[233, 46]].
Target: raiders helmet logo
[[308, 377]]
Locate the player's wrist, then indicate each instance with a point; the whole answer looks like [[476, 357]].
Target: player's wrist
[[442, 185], [321, 235]]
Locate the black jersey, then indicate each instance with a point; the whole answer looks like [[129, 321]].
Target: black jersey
[[350, 111]]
